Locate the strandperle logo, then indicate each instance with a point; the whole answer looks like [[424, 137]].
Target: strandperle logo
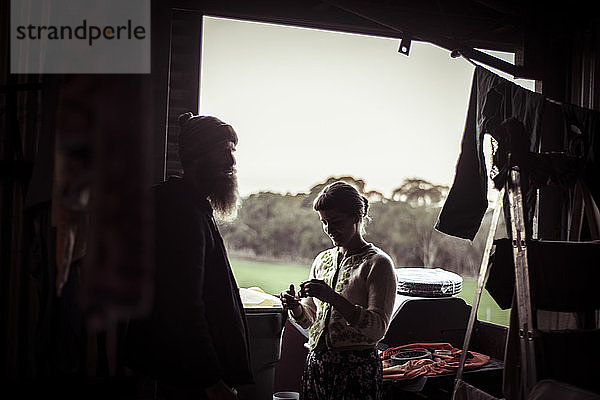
[[84, 31], [83, 36]]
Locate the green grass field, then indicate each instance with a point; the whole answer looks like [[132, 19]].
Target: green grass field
[[275, 277]]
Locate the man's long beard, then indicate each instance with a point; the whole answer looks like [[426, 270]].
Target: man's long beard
[[224, 197]]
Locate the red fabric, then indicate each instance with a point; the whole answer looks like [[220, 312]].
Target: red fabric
[[438, 365]]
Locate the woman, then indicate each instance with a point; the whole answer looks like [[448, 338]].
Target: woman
[[346, 304]]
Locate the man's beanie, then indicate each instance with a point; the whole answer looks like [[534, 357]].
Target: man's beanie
[[199, 134]]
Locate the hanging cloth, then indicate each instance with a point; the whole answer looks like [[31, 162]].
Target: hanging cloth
[[493, 101], [581, 128]]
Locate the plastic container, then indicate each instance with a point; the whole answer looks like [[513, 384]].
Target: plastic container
[[265, 326], [428, 282]]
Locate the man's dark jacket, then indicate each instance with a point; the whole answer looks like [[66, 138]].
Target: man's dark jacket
[[196, 333]]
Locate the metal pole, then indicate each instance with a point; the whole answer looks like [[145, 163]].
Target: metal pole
[[519, 243], [483, 272]]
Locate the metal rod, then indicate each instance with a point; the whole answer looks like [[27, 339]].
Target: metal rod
[[483, 272], [355, 8], [522, 287]]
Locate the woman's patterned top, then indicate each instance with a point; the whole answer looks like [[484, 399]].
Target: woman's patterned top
[[366, 279]]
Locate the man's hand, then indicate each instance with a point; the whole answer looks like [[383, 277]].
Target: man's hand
[[220, 391]]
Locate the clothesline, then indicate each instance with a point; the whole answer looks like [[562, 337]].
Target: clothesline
[[456, 53]]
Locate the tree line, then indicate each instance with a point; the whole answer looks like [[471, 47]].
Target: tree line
[[285, 227]]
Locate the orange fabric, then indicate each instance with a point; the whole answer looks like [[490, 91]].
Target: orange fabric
[[438, 365]]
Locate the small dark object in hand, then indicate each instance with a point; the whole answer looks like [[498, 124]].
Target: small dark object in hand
[[302, 292]]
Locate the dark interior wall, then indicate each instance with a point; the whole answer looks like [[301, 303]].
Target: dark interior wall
[[20, 128], [161, 41], [568, 61], [108, 134], [184, 78], [99, 133], [101, 142]]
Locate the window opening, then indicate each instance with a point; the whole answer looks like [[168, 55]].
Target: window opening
[[312, 104]]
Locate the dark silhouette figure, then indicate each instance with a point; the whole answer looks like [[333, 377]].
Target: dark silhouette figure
[[195, 342]]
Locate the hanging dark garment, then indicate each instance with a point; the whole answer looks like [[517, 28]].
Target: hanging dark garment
[[562, 273], [493, 103], [581, 127]]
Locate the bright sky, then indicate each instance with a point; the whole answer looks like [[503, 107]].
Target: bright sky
[[308, 104]]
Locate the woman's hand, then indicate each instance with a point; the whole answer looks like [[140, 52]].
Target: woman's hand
[[290, 301], [317, 288]]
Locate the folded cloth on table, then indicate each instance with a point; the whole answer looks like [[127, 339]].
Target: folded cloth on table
[[441, 363]]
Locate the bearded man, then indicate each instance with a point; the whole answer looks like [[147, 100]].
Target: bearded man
[[195, 342]]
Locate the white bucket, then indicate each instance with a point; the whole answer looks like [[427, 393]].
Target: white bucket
[[286, 396]]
